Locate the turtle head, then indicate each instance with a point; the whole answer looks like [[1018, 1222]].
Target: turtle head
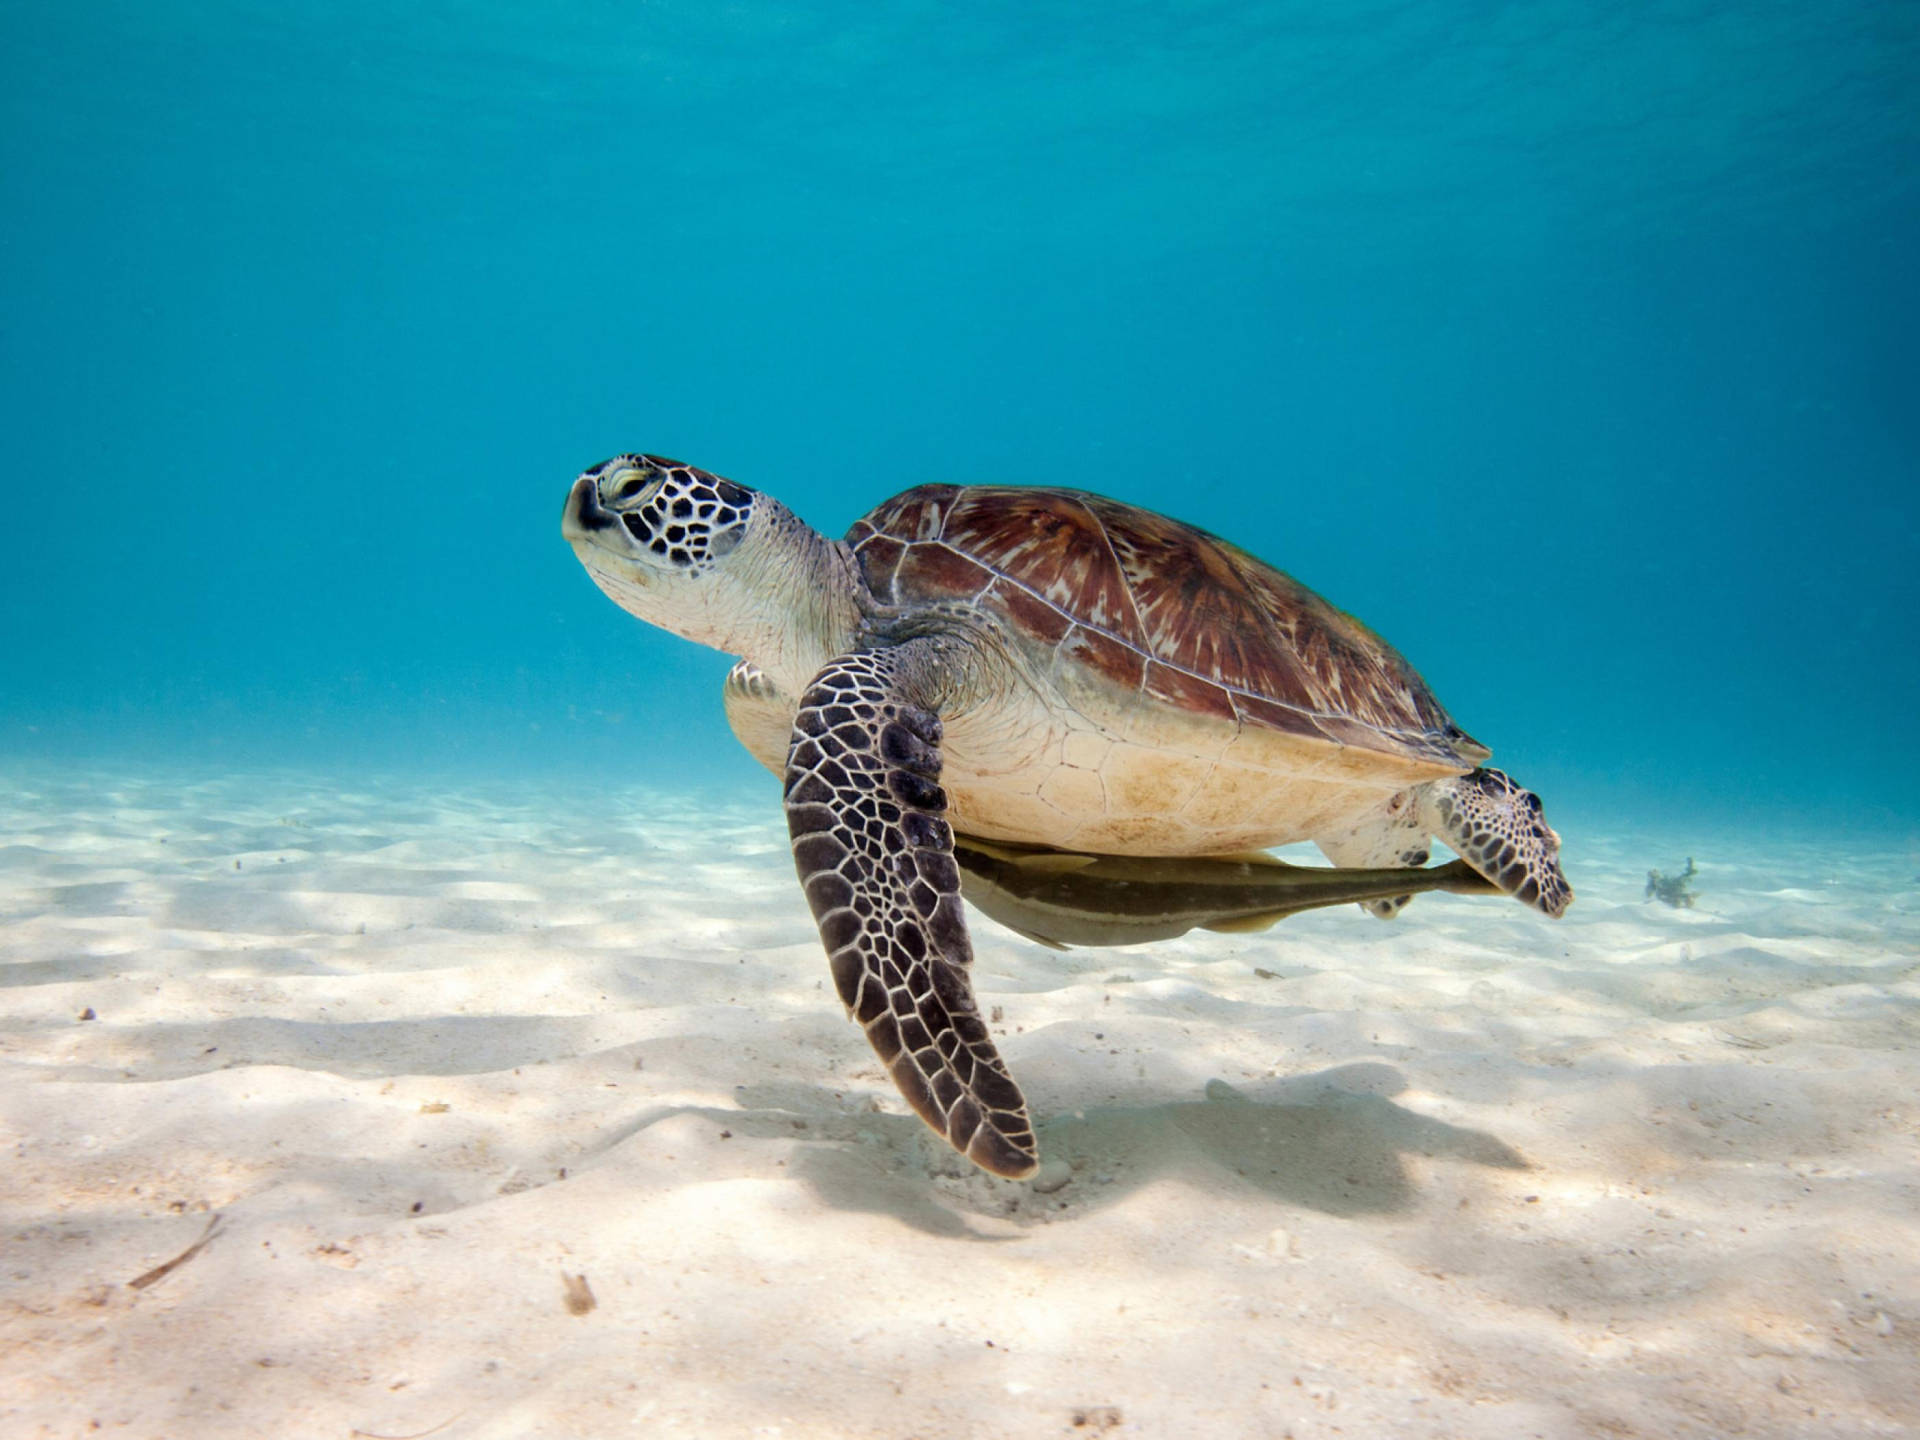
[[662, 520], [713, 561]]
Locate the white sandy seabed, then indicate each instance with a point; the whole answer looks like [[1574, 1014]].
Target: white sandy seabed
[[433, 1056]]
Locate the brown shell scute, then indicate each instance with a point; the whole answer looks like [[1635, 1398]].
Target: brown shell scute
[[1156, 604]]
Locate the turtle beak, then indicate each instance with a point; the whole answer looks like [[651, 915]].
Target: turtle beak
[[585, 517]]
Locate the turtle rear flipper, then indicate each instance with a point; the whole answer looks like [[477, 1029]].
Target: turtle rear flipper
[[875, 856], [1497, 828]]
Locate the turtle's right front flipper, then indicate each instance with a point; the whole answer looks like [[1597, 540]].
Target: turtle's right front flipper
[[865, 810]]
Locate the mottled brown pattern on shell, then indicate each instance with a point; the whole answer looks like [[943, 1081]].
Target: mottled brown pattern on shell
[[1140, 586], [1202, 610], [1102, 654], [915, 514], [1219, 612], [1032, 615], [1189, 692], [934, 571], [1050, 542], [879, 558]]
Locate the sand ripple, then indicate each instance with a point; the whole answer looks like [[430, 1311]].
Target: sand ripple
[[1647, 1172]]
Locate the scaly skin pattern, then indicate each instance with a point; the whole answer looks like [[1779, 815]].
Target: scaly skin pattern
[[1496, 827], [875, 856]]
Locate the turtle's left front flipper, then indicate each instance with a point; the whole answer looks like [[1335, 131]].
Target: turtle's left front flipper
[[875, 855]]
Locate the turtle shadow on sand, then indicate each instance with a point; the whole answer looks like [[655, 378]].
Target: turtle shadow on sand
[[1331, 1141]]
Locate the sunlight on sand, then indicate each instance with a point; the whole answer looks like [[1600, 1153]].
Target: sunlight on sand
[[432, 1054]]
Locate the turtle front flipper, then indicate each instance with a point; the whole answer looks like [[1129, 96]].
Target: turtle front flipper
[[1496, 827], [760, 714], [875, 855]]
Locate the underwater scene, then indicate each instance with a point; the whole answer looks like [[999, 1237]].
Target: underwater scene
[[922, 721]]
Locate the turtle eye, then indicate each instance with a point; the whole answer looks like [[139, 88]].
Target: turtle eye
[[627, 483], [685, 517]]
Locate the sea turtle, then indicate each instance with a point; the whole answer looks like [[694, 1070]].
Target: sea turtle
[[1033, 667]]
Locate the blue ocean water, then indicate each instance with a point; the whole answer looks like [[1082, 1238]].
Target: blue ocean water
[[1571, 346]]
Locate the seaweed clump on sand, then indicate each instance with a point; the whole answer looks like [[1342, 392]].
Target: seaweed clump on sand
[[1675, 890]]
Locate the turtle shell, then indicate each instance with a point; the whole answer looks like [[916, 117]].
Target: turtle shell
[[1158, 607]]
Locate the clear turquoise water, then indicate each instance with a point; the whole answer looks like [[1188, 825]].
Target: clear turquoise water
[[1573, 347]]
